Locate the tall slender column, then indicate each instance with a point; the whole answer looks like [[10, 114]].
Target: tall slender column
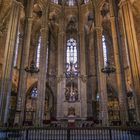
[[60, 79], [43, 68], [102, 87], [118, 62], [132, 48], [24, 63], [83, 76], [9, 61]]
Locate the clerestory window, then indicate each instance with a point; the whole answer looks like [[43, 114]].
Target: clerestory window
[[38, 52], [34, 92], [71, 51], [55, 1], [104, 50], [16, 50]]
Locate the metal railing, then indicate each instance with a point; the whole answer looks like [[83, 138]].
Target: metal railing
[[95, 133]]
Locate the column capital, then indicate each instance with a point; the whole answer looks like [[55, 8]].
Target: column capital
[[44, 4], [98, 28], [18, 3], [112, 18], [61, 33], [99, 31], [44, 29], [123, 2], [30, 19]]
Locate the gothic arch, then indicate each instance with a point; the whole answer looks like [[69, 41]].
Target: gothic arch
[[30, 105]]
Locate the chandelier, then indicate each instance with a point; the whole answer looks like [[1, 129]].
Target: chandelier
[[108, 69], [32, 68]]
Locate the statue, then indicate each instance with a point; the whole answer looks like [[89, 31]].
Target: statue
[[129, 85], [53, 25], [71, 111]]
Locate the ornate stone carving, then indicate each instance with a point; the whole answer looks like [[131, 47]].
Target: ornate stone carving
[[59, 78], [72, 25], [83, 78], [71, 111]]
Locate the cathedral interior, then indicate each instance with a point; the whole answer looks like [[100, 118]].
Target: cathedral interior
[[69, 61]]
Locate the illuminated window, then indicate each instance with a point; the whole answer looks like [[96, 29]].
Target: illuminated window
[[55, 1], [71, 51], [71, 2], [38, 52], [104, 50], [16, 50], [86, 1], [34, 92]]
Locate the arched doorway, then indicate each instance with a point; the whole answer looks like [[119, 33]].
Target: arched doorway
[[30, 105]]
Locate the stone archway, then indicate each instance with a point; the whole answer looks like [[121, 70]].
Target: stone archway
[[30, 105]]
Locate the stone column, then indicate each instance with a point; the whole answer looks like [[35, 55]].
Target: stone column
[[132, 48], [24, 63], [83, 76], [9, 61], [43, 68], [60, 79], [118, 63], [92, 79], [102, 86]]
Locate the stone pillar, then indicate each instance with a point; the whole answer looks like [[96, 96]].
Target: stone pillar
[[83, 76], [24, 63], [102, 86], [43, 68], [132, 48], [118, 63], [60, 79], [9, 61], [92, 79]]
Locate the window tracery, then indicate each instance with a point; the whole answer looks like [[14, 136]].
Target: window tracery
[[34, 92], [71, 51]]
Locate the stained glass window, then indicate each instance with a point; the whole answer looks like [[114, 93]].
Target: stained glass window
[[104, 50], [71, 2], [55, 1], [34, 92], [16, 50], [86, 1], [38, 52], [71, 51]]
